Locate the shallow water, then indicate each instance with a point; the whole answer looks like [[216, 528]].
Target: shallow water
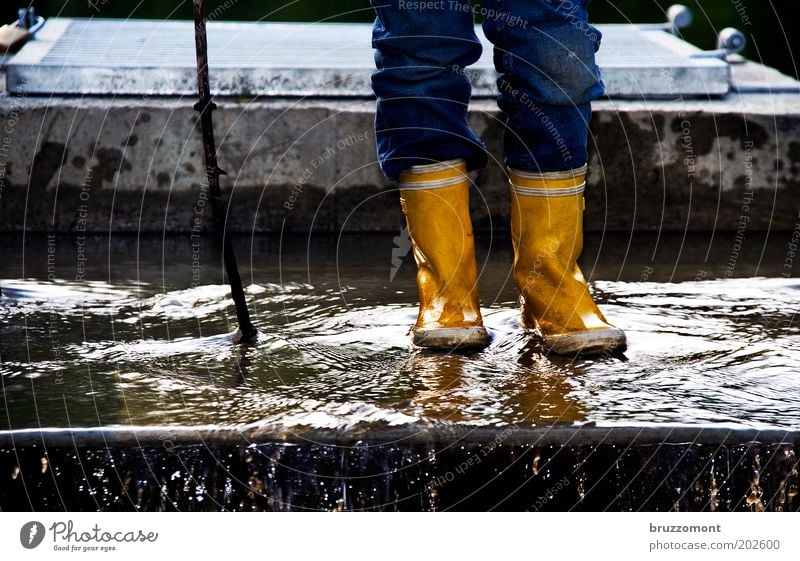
[[136, 339]]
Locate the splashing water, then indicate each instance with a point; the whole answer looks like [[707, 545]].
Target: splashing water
[[333, 350]]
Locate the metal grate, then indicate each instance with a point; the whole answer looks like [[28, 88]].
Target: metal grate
[[103, 56]]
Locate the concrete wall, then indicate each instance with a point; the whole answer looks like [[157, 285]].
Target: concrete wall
[[135, 164]]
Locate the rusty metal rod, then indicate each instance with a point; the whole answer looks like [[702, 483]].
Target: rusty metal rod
[[205, 105]]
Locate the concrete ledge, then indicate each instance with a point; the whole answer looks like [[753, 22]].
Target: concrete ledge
[[555, 435], [135, 164]]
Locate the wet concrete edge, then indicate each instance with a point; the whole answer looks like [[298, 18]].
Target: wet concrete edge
[[573, 436]]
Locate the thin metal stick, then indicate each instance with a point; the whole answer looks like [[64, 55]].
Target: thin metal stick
[[205, 105]]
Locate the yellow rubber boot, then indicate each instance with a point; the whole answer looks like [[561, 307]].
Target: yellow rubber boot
[[435, 200], [547, 232]]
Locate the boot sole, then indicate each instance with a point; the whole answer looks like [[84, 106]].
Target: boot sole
[[593, 342], [450, 337]]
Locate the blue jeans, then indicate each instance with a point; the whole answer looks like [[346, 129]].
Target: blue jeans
[[544, 55]]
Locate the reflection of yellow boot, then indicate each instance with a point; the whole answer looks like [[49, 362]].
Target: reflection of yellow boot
[[435, 200], [547, 231]]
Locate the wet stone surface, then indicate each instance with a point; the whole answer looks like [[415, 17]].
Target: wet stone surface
[[134, 333], [146, 341]]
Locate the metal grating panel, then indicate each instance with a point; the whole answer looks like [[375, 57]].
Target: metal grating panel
[[143, 57]]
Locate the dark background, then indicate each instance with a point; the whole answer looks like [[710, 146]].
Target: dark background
[[772, 37]]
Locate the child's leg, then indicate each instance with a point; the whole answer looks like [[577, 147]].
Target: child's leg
[[422, 50], [544, 52], [425, 143]]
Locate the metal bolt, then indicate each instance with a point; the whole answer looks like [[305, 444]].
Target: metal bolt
[[679, 16]]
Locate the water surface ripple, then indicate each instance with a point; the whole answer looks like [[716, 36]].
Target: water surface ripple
[[334, 355]]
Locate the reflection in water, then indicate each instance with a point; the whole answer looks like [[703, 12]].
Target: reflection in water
[[335, 354], [542, 391], [470, 387]]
